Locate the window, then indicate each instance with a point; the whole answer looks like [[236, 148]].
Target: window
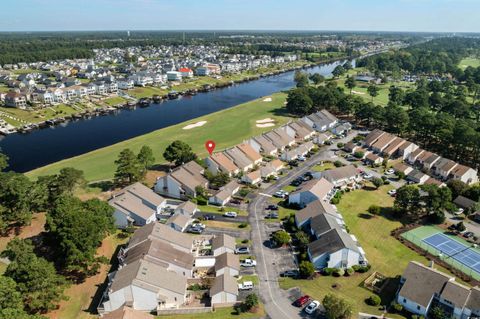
[[418, 307], [404, 300]]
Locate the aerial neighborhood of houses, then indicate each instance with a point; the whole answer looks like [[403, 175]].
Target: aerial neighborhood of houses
[[169, 250]]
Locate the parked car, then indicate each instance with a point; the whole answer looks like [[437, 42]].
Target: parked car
[[367, 176], [272, 207], [248, 263], [290, 273], [301, 158], [293, 163], [235, 201], [271, 216], [392, 192], [230, 214], [468, 234], [209, 217], [281, 194], [195, 230], [458, 211], [390, 171], [301, 301], [198, 225], [297, 182], [312, 307], [246, 285], [242, 250]]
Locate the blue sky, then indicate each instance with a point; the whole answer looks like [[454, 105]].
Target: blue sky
[[371, 15]]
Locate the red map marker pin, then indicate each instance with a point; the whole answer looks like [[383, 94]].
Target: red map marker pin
[[210, 146]]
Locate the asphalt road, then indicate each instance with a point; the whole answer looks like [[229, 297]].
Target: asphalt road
[[277, 302]]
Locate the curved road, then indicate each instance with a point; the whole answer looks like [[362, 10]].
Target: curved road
[[277, 303]]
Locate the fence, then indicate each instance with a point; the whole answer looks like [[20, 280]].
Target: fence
[[418, 241]]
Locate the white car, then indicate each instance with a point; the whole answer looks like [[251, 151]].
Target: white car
[[248, 263], [281, 194], [392, 192], [367, 176], [390, 171], [199, 225], [312, 307], [301, 158], [230, 214], [458, 211]]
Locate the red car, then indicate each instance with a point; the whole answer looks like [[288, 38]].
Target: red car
[[301, 301]]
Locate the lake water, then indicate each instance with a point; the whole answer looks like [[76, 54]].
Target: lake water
[[45, 146]]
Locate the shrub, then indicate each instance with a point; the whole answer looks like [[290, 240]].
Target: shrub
[[245, 241], [374, 209], [306, 269], [340, 145], [201, 201], [337, 164], [397, 307], [373, 300], [243, 225], [359, 154], [328, 271], [361, 269], [335, 200], [349, 272], [338, 272]]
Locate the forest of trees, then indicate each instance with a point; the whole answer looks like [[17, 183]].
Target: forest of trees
[[40, 269], [436, 115]]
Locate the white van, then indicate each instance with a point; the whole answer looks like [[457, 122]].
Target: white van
[[246, 285]]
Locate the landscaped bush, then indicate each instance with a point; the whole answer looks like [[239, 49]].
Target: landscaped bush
[[335, 200], [374, 209], [373, 300], [328, 271], [359, 154], [242, 225], [338, 272], [361, 269], [349, 272], [245, 241], [340, 145], [201, 201], [397, 307], [337, 164]]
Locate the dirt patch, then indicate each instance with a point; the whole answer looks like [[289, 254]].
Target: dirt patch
[[267, 120], [152, 177], [267, 99], [34, 229], [358, 93]]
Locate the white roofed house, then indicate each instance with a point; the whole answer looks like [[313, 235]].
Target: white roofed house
[[304, 216], [252, 178], [225, 194], [294, 153], [443, 167], [181, 183], [321, 121], [263, 145], [299, 130], [186, 208], [219, 162], [144, 286], [179, 222], [227, 263], [341, 177], [465, 174], [271, 168], [223, 243], [136, 205], [239, 159], [311, 191], [15, 99], [224, 290], [250, 152], [406, 149], [335, 248], [125, 84]]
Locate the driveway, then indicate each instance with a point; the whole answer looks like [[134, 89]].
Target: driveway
[[221, 218], [470, 225]]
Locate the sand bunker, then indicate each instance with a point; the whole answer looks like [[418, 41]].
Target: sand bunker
[[198, 124], [267, 99], [266, 125], [359, 93], [267, 120]]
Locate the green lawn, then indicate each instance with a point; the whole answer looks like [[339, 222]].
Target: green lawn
[[386, 254], [252, 278], [227, 127], [470, 61], [114, 100], [218, 210], [323, 167], [3, 267], [219, 313]]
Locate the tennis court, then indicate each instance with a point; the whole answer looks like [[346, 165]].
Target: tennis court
[[449, 248], [456, 250]]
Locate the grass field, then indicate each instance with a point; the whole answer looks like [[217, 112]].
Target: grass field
[[386, 254], [224, 127], [219, 313], [471, 61], [220, 211]]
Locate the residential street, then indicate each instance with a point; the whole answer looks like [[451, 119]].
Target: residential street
[[277, 303]]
